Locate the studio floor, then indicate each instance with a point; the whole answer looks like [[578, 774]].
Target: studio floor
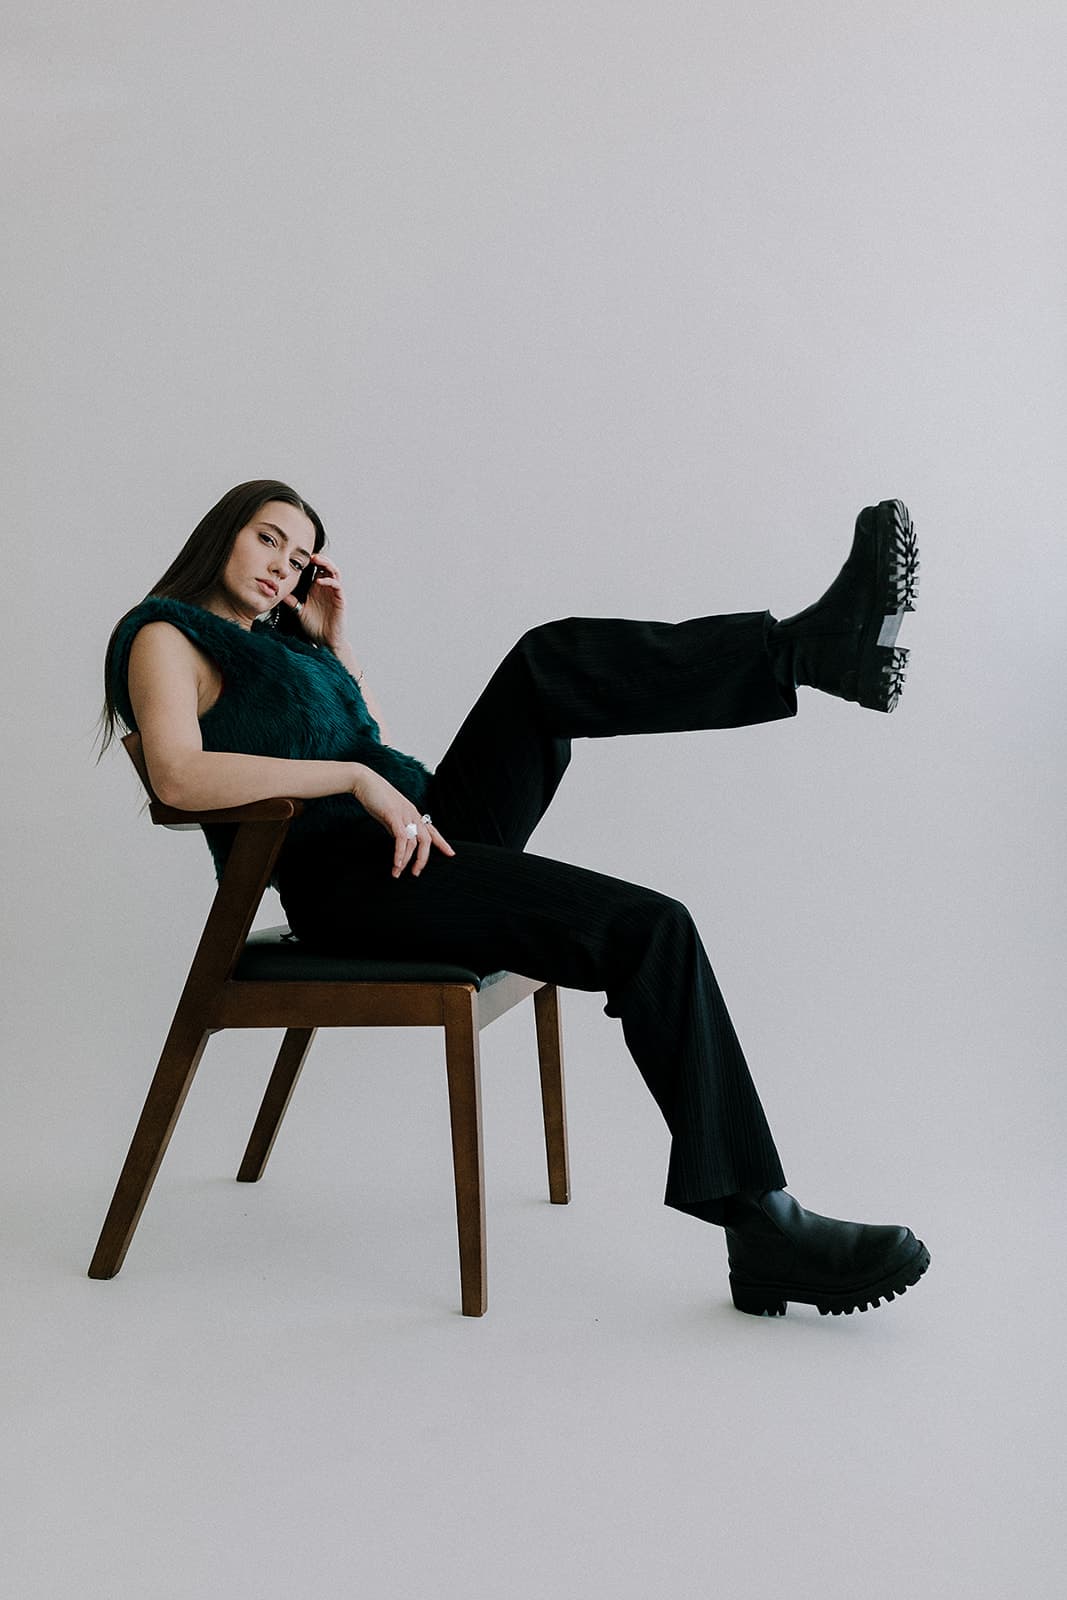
[[278, 1396]]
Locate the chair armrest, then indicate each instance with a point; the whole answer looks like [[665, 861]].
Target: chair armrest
[[276, 810]]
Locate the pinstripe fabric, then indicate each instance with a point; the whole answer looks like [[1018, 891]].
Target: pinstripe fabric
[[494, 904]]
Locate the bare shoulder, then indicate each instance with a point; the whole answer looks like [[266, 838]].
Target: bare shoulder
[[166, 665], [162, 639], [161, 646]]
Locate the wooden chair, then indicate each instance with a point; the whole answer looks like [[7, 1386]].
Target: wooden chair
[[265, 980]]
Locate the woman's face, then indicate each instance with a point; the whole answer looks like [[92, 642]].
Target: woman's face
[[265, 564]]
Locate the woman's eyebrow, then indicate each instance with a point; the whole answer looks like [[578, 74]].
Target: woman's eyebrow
[[298, 550]]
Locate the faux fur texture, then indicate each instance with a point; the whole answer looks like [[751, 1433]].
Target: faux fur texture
[[280, 697]]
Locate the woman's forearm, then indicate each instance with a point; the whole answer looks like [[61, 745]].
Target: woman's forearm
[[209, 780], [346, 656]]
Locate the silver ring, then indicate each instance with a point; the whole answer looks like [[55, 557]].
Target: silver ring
[[427, 818], [299, 607], [412, 831]]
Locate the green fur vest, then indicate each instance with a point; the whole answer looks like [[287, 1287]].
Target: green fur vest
[[281, 696]]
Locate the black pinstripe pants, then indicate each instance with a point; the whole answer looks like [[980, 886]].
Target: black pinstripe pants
[[494, 905]]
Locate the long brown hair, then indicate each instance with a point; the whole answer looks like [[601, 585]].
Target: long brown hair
[[200, 562]]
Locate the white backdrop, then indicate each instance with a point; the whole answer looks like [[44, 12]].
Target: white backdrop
[[606, 306], [612, 308]]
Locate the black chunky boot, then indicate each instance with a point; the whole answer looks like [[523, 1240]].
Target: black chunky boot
[[779, 1252], [845, 644]]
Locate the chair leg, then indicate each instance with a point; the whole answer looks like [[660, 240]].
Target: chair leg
[[465, 1111], [291, 1058], [553, 1102], [166, 1096]]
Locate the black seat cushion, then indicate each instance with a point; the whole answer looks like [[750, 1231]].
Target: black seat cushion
[[273, 955]]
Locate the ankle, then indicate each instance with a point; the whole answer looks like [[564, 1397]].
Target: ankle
[[737, 1209], [781, 648]]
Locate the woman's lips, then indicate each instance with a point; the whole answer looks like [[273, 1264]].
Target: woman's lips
[[268, 587]]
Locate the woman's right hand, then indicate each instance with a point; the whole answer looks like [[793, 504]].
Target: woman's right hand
[[396, 813]]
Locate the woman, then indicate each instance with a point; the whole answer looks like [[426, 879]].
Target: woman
[[238, 672]]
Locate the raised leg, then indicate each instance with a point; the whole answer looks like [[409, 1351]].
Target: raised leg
[[595, 677], [465, 1112], [283, 1079], [166, 1096], [550, 1060]]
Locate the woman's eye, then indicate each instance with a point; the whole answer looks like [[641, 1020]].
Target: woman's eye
[[267, 538], [299, 565]]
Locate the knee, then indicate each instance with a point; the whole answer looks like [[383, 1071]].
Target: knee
[[658, 922], [539, 659], [675, 919], [654, 948], [546, 639]]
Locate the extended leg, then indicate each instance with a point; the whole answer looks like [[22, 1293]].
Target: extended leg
[[599, 677], [596, 677]]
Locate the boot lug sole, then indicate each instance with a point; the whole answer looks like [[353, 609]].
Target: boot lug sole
[[771, 1299], [883, 666]]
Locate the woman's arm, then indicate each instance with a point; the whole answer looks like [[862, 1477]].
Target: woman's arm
[[346, 656], [171, 682], [168, 681], [323, 618]]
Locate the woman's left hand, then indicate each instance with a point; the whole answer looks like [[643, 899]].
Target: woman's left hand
[[322, 615]]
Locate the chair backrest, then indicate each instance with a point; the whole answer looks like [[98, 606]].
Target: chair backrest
[[135, 750], [261, 828]]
